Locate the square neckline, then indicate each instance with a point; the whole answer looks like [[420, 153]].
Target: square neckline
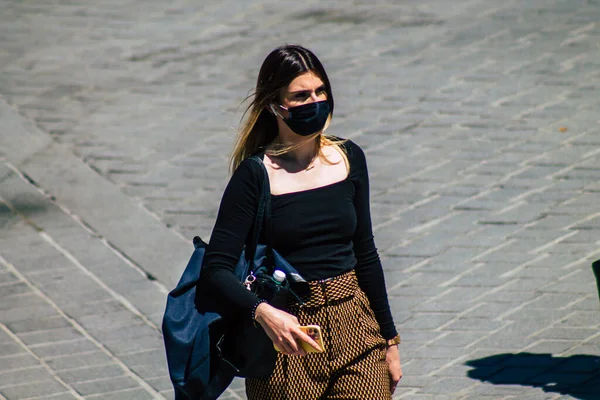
[[262, 156], [312, 189]]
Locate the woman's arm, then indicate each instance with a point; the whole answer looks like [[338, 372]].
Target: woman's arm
[[369, 271], [234, 221]]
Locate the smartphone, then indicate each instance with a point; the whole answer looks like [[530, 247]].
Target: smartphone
[[314, 331]]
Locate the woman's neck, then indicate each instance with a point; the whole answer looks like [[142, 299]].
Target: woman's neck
[[301, 157], [304, 154]]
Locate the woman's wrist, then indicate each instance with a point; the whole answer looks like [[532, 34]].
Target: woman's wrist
[[395, 341], [256, 310]]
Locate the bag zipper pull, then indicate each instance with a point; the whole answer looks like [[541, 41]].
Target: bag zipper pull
[[249, 280]]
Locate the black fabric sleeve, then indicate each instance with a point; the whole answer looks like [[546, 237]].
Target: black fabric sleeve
[[234, 221], [369, 271]]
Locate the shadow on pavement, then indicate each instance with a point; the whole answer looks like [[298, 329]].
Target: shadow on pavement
[[24, 203], [577, 376]]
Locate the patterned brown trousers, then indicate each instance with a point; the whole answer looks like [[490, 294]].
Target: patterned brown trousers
[[353, 365]]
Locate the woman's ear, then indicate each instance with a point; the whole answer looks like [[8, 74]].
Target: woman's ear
[[272, 110]]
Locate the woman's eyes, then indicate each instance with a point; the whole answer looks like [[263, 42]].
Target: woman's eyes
[[305, 95]]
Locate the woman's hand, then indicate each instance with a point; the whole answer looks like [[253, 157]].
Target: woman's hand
[[392, 356], [283, 329]]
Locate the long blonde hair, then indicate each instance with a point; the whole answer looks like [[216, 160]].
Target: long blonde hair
[[259, 126]]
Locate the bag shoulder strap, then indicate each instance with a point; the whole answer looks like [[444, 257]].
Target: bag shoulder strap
[[262, 219]]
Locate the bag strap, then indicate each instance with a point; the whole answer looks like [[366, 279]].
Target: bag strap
[[262, 219], [270, 261]]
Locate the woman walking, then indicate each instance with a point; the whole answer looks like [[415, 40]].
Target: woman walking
[[321, 225]]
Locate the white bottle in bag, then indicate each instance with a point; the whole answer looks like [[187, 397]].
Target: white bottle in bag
[[280, 293], [279, 276]]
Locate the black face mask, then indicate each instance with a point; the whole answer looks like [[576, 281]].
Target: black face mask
[[308, 118]]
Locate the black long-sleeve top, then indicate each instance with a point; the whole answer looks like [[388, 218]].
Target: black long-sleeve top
[[322, 232]]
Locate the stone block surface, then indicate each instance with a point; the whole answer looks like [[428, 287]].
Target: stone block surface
[[479, 123]]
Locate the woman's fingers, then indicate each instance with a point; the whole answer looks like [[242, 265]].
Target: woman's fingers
[[287, 344], [285, 348], [394, 382], [299, 353], [283, 329], [395, 368], [293, 348]]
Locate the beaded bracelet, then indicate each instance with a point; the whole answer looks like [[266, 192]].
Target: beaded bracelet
[[258, 303]]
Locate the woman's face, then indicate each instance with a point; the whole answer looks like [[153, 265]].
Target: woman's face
[[305, 88]]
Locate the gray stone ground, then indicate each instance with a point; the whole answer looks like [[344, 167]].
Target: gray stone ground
[[479, 120]]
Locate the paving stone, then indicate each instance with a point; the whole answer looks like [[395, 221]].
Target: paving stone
[[579, 319], [150, 371], [161, 383], [416, 336], [12, 289], [58, 349], [27, 299], [38, 324], [480, 396], [11, 349], [146, 361], [133, 394], [81, 360], [475, 280], [59, 396], [90, 373], [114, 319], [82, 308], [105, 385], [7, 277], [22, 376], [418, 382], [50, 336], [420, 367], [122, 332], [59, 280], [458, 339], [16, 362], [441, 306], [503, 343], [586, 304], [444, 385], [497, 390], [427, 320], [468, 323], [149, 300], [552, 346], [552, 301], [32, 389], [437, 351], [5, 337], [135, 344]]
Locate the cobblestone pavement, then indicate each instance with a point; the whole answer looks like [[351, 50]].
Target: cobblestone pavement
[[480, 123]]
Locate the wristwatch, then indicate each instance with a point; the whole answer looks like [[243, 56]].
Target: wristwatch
[[394, 341]]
